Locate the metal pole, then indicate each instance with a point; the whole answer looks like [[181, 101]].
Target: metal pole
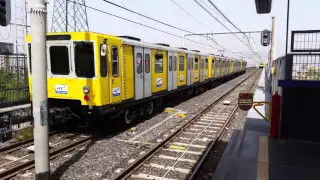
[[272, 41], [288, 11], [39, 89], [221, 33], [184, 39]]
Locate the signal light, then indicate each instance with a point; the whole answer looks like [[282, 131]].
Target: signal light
[[5, 12], [265, 37]]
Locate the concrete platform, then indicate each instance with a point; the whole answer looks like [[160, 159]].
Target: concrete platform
[[262, 93], [252, 155]]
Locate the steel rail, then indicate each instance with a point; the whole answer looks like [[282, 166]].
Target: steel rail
[[55, 153], [15, 146], [214, 142], [138, 163]]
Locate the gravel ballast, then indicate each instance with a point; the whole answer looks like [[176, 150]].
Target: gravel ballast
[[104, 158]]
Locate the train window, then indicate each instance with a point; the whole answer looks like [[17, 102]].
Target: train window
[[196, 63], [115, 61], [29, 53], [59, 60], [103, 60], [158, 63], [206, 66], [147, 63], [84, 59], [181, 63], [170, 63], [139, 63], [175, 63], [213, 63]]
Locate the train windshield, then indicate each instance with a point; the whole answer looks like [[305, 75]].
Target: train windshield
[[84, 59]]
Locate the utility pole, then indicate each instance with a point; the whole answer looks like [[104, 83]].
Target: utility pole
[[39, 89], [272, 41]]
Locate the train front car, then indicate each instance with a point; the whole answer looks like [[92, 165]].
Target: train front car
[[76, 77]]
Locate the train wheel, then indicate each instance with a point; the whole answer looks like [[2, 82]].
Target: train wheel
[[149, 108], [128, 117]]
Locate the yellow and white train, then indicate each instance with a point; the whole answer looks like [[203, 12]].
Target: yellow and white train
[[96, 74]]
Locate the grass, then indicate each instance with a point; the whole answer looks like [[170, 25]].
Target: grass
[[23, 134]]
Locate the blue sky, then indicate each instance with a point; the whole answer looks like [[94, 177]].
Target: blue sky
[[241, 12]]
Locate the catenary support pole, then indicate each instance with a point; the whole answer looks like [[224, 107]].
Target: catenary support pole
[[272, 41], [39, 89]]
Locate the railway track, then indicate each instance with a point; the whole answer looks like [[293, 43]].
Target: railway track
[[182, 153], [16, 158]]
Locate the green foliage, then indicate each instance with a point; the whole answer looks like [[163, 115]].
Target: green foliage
[[23, 134], [7, 85]]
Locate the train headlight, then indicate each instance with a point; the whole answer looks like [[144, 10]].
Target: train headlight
[[86, 89]]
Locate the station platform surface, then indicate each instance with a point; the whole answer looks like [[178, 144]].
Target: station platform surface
[[251, 154], [254, 121]]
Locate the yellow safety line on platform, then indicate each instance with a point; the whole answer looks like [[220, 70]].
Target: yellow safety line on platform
[[263, 159]]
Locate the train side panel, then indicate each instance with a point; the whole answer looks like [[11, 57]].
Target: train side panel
[[213, 67], [159, 70], [210, 68], [196, 68], [182, 69], [206, 67], [218, 67], [128, 72]]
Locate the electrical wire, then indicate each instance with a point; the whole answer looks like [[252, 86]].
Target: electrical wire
[[197, 21], [231, 23], [166, 24], [249, 46], [129, 20]]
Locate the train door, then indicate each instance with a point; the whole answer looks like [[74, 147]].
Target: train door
[[115, 73], [218, 67], [138, 75], [174, 70], [170, 68], [182, 69], [201, 68], [196, 68], [213, 70], [147, 78], [189, 71]]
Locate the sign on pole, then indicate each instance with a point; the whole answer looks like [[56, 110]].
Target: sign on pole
[[245, 101]]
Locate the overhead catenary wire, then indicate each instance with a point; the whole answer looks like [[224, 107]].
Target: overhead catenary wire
[[166, 24], [129, 20], [249, 47], [192, 16], [230, 22]]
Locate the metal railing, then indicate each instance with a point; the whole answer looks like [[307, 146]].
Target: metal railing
[[302, 64], [14, 88]]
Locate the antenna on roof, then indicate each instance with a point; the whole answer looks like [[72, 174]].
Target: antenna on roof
[[161, 44], [196, 51], [130, 37], [182, 48]]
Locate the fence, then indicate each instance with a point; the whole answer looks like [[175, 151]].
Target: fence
[[14, 88], [303, 63]]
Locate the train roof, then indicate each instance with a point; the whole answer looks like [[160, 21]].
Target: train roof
[[137, 42], [160, 46]]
